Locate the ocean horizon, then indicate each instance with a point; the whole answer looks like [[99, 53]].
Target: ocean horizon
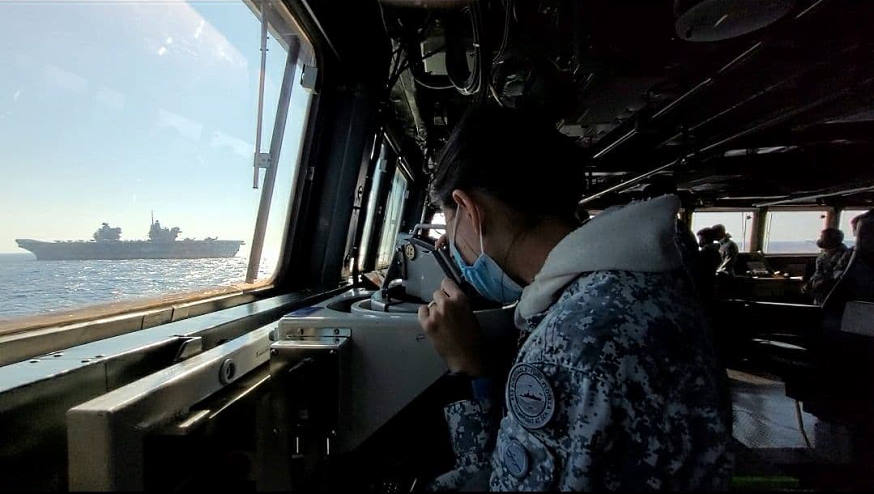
[[29, 286]]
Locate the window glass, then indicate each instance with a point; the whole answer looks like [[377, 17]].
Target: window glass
[[738, 224], [392, 220], [111, 112], [793, 232], [437, 219], [372, 198], [844, 224]]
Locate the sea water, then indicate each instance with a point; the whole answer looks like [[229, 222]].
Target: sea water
[[29, 286]]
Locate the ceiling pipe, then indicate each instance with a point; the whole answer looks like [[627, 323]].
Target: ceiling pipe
[[627, 183], [813, 197], [683, 98], [742, 58], [770, 122], [717, 20]]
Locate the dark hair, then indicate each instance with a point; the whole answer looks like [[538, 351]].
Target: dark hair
[[830, 238], [707, 234], [512, 156]]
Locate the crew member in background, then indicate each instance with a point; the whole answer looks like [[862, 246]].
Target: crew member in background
[[615, 385], [856, 279], [855, 275], [727, 250], [829, 264]]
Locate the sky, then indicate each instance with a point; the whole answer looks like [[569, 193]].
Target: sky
[[112, 110]]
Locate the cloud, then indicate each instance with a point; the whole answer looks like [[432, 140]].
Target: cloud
[[238, 146], [186, 127], [65, 80]]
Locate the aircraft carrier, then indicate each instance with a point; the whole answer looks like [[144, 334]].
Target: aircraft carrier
[[162, 244]]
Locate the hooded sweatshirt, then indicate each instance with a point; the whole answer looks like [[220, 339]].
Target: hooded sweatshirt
[[615, 386], [640, 237]]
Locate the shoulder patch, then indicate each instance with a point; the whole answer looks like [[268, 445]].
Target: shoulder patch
[[529, 396], [515, 459]]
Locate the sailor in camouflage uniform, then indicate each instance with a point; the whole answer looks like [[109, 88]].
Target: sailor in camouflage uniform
[[727, 250], [830, 264], [615, 385]]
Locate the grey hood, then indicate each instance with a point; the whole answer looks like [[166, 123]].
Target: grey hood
[[640, 236]]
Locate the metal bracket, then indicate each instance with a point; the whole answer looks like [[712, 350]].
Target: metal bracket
[[186, 425], [191, 346], [262, 160], [308, 77], [312, 334]]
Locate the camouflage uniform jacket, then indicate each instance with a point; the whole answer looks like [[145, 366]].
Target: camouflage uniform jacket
[[625, 367], [829, 267]]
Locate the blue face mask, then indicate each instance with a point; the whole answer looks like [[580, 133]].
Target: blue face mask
[[485, 275]]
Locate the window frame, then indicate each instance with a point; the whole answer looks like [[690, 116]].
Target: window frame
[[848, 234], [27, 336], [386, 219], [753, 220], [383, 168], [379, 182]]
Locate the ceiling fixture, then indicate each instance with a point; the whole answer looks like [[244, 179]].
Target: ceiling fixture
[[716, 20]]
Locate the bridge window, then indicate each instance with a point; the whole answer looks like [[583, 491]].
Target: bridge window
[[738, 224], [437, 219], [844, 224], [392, 220], [793, 232], [112, 111], [376, 184]]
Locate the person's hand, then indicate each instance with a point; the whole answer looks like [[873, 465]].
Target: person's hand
[[441, 241], [449, 323]]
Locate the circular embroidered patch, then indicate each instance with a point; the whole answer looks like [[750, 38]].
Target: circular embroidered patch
[[529, 396], [516, 459]]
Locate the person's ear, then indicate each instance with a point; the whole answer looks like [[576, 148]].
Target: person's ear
[[469, 206]]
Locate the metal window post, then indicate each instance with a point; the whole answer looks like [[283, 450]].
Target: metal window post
[[831, 217], [261, 160], [357, 221], [275, 148]]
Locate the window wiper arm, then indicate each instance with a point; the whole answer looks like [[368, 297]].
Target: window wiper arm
[[261, 160]]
